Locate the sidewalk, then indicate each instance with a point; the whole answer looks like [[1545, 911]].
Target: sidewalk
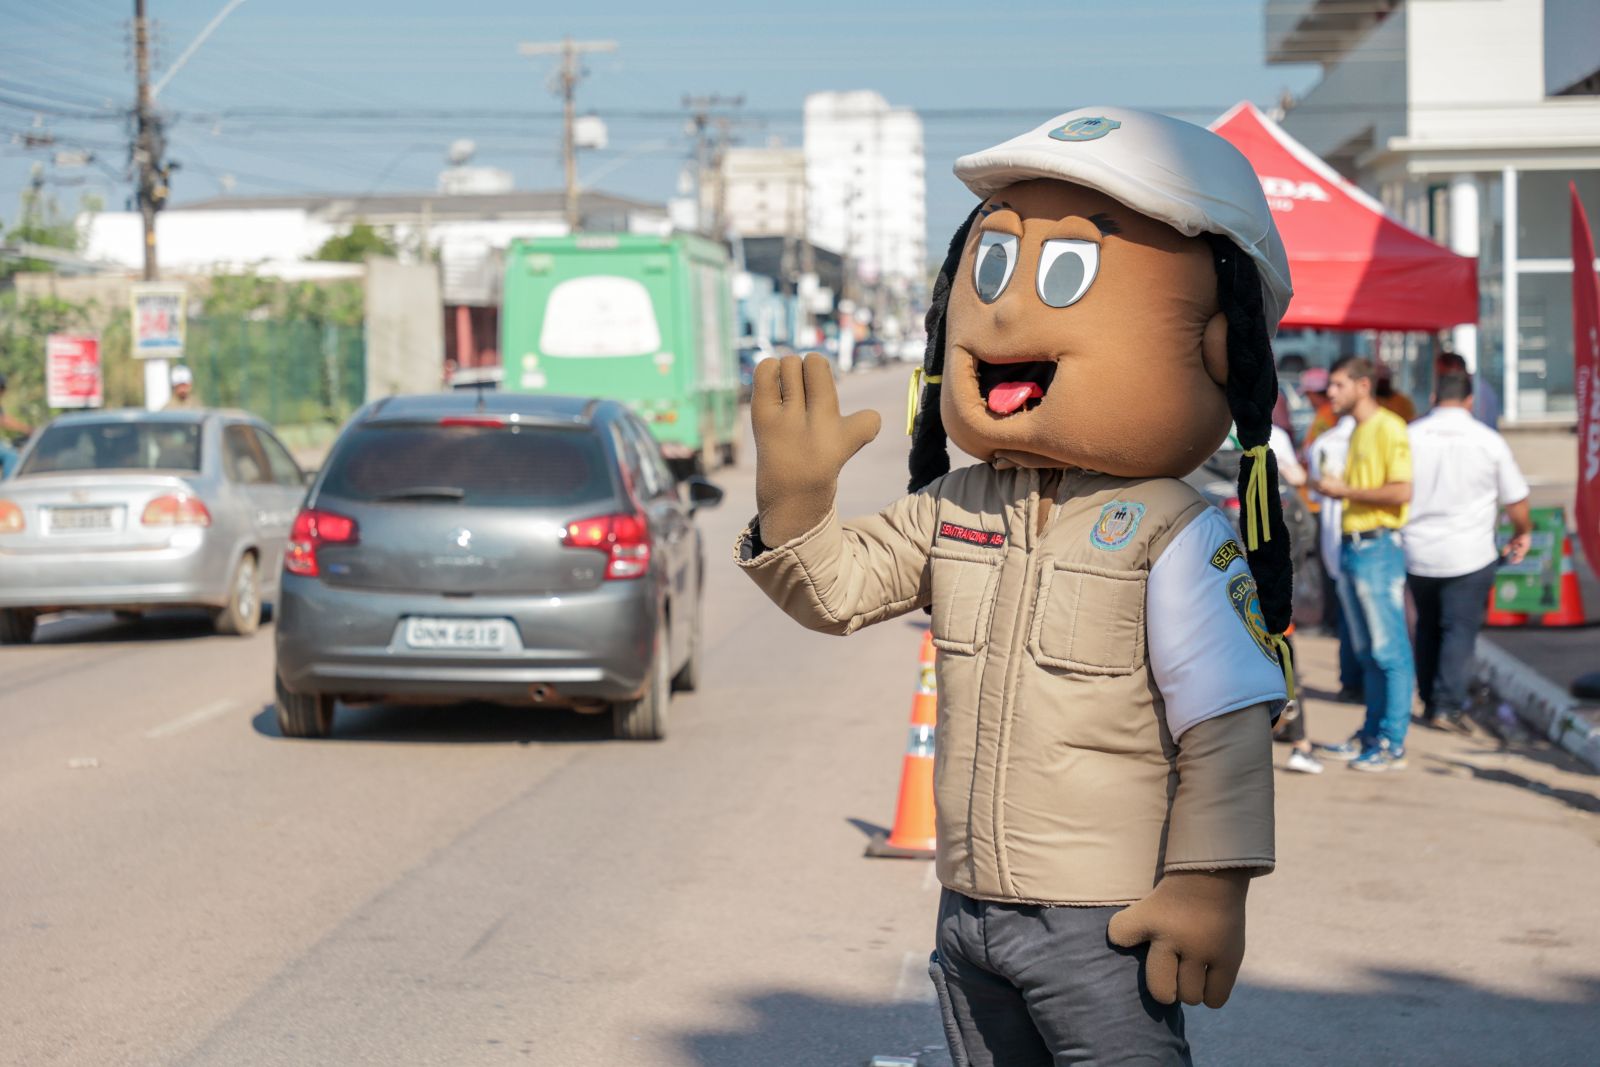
[[1440, 915]]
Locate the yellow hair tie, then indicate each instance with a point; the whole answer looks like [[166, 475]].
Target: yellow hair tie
[[1285, 660], [914, 396], [1255, 499]]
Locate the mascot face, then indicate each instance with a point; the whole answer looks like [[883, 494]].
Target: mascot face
[[1081, 333]]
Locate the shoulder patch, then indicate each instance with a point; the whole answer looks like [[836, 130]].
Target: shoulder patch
[[1118, 522], [967, 535], [1224, 556], [1246, 601]]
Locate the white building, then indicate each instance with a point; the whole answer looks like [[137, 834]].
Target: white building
[[1467, 118], [764, 191], [865, 169]]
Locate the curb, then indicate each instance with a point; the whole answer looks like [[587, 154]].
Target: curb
[[1553, 712]]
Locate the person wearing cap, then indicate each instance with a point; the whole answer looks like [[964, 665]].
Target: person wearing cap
[[9, 425], [182, 398], [1109, 668]]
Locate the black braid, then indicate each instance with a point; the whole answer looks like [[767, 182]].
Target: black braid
[[930, 454], [1252, 393]]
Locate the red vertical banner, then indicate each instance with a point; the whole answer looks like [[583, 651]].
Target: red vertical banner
[[1586, 375]]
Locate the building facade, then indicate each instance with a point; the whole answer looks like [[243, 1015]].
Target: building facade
[[1467, 119], [764, 191]]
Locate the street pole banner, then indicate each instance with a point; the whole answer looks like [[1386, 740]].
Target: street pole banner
[[72, 371], [1533, 587], [1586, 375], [158, 321]]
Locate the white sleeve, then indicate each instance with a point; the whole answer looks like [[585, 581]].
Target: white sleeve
[[1209, 653], [1513, 486]]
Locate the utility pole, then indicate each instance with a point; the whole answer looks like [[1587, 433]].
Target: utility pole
[[565, 82], [148, 142], [708, 153]]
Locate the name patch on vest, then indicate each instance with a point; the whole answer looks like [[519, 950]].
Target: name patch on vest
[[1225, 555], [967, 535], [1246, 601], [1118, 522]]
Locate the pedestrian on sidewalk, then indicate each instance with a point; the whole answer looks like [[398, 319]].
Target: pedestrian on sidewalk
[[1376, 491], [1292, 724], [1327, 456], [1485, 401], [1464, 474]]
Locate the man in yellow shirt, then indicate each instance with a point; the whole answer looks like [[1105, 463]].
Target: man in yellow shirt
[[1376, 490]]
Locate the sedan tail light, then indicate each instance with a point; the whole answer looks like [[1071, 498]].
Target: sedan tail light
[[314, 528], [625, 539], [176, 509], [11, 520]]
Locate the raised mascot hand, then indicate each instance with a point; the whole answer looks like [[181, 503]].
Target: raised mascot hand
[[1194, 921], [802, 442]]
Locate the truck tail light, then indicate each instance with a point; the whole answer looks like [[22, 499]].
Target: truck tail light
[[625, 539], [314, 528], [11, 520], [176, 509]]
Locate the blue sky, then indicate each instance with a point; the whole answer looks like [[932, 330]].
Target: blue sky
[[982, 74]]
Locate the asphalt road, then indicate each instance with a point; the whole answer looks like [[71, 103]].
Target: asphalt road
[[478, 886]]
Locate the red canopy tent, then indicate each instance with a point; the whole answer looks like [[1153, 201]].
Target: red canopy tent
[[1353, 267]]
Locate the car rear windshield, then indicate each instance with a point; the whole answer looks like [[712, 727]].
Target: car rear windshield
[[489, 467], [147, 445]]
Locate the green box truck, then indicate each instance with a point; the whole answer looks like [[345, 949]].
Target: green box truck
[[646, 320]]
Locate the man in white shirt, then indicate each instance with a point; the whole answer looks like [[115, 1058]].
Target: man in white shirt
[[1463, 474], [1326, 456]]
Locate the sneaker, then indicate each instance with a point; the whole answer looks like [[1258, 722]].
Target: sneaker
[[1379, 759], [1304, 762], [1345, 751]]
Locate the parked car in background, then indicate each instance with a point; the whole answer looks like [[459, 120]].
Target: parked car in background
[[752, 350], [1217, 480], [133, 510], [523, 549], [868, 354]]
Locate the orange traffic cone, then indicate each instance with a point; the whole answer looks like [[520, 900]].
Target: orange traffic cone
[[1496, 617], [913, 833], [1569, 612]]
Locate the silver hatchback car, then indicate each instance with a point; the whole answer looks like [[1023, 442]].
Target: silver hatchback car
[[525, 550], [131, 510]]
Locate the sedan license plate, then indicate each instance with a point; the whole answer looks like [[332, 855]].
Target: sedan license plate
[[76, 520], [473, 635]]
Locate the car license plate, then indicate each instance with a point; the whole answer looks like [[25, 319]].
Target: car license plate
[[76, 520], [474, 635]]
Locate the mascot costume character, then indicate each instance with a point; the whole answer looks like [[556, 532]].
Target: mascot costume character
[[1110, 658]]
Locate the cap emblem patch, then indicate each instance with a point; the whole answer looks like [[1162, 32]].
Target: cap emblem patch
[[1085, 129]]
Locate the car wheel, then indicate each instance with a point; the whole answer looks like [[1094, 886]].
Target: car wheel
[[303, 714], [17, 626], [645, 719], [242, 614], [687, 680]]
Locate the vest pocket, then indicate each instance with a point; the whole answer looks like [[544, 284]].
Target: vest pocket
[[963, 596], [1089, 620]]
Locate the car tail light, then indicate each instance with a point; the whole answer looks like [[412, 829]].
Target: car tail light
[[11, 518], [176, 509], [625, 539], [1231, 504], [481, 422], [314, 528]]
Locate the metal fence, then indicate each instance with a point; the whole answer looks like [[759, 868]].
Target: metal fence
[[291, 373]]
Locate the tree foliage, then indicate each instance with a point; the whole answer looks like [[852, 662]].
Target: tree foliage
[[356, 244]]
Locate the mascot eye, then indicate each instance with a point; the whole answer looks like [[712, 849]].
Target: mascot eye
[[1066, 270], [997, 258]]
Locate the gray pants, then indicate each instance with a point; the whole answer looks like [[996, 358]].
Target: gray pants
[[1028, 986]]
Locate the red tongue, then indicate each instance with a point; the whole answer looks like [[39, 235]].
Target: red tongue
[[1010, 396]]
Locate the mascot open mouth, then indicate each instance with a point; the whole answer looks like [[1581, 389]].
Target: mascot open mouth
[[1011, 387]]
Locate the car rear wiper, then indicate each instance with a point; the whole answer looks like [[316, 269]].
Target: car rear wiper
[[424, 492]]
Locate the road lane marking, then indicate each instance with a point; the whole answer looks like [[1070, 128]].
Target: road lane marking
[[914, 986], [194, 718]]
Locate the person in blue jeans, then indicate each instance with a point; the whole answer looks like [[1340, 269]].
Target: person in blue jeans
[[1375, 489]]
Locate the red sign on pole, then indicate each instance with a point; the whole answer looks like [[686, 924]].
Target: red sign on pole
[[1586, 375], [72, 371]]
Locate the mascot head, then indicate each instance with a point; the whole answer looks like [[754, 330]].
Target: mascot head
[[1109, 306]]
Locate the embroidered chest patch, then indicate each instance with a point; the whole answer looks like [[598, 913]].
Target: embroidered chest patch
[[1246, 601], [967, 535], [1225, 555], [1118, 522]]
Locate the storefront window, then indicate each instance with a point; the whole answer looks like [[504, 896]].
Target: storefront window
[[1544, 340], [1544, 227]]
